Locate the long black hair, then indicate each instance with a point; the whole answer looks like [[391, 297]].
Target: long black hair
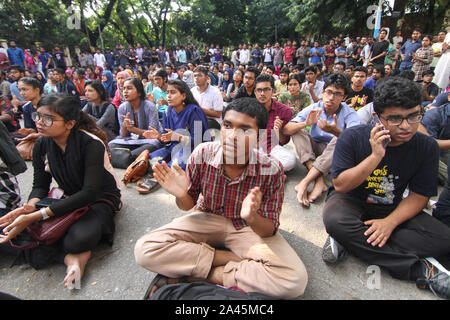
[[99, 88], [68, 107], [139, 87], [183, 88], [33, 82]]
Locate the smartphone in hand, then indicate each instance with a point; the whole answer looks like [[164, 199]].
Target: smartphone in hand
[[377, 120]]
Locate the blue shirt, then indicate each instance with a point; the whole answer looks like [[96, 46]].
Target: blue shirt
[[16, 56], [409, 48], [340, 50], [370, 83], [437, 122], [14, 89], [347, 117], [28, 109], [317, 58], [44, 57], [258, 56], [158, 93]]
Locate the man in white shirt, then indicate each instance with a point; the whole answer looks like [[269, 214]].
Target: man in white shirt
[[365, 52], [268, 54], [209, 97], [170, 74], [244, 55], [312, 86], [398, 38], [99, 59]]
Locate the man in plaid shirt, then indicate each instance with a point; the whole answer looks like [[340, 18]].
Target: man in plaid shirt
[[237, 193]]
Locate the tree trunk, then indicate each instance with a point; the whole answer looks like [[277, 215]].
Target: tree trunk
[[164, 28]]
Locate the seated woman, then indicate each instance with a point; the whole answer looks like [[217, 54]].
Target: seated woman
[[135, 116], [104, 112], [233, 87], [179, 120], [71, 151], [294, 98], [118, 97], [109, 83]]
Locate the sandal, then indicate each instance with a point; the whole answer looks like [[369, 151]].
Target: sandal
[[159, 281], [147, 185]]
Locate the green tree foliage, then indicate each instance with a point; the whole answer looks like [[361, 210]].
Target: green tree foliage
[[223, 22]]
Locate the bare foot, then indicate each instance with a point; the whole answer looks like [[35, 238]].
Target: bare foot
[[302, 192], [75, 268], [319, 187]]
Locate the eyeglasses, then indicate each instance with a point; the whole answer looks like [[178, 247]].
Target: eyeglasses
[[398, 120], [46, 119], [265, 90], [333, 94]]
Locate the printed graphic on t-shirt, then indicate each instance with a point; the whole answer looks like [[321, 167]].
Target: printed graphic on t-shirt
[[381, 185]]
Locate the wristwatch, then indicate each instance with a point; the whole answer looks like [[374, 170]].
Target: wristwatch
[[45, 216]]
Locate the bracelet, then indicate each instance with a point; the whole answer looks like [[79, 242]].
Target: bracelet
[[45, 216]]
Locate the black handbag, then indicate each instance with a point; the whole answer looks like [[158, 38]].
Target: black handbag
[[121, 158]]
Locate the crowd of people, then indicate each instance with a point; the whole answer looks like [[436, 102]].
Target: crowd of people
[[370, 112]]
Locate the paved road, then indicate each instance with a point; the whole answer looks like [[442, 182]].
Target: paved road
[[113, 274]]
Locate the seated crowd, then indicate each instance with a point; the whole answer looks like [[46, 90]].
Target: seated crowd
[[222, 136]]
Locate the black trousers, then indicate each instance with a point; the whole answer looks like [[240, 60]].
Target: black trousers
[[135, 150], [420, 237], [95, 226]]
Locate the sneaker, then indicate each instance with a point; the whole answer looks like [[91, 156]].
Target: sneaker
[[434, 279], [333, 251]]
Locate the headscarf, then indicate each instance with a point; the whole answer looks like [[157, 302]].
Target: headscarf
[[226, 83], [99, 76], [130, 73], [69, 74], [126, 75], [109, 83], [43, 80]]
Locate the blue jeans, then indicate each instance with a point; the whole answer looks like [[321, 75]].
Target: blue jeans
[[405, 65]]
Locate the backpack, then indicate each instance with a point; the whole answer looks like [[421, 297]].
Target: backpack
[[202, 291]]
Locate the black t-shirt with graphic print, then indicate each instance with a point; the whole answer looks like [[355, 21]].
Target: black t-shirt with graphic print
[[413, 164]]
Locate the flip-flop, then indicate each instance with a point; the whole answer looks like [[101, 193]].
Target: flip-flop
[[159, 281], [148, 185]]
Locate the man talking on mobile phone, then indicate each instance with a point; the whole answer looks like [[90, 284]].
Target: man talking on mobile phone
[[367, 215]]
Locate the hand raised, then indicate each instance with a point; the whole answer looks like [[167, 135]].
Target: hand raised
[[327, 126], [151, 133], [167, 137], [313, 116], [173, 181], [251, 204]]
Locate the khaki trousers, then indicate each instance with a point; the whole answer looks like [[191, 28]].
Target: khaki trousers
[[309, 150], [185, 247]]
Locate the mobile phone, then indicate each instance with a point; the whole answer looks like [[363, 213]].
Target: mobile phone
[[377, 120], [46, 202]]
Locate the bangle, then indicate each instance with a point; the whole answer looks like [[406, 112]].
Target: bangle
[[45, 216]]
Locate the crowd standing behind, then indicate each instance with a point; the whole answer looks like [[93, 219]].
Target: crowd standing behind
[[368, 93]]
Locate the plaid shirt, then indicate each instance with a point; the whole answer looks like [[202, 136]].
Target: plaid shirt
[[285, 114], [419, 67], [216, 193]]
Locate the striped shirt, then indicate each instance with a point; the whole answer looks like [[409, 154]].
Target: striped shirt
[[215, 193]]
